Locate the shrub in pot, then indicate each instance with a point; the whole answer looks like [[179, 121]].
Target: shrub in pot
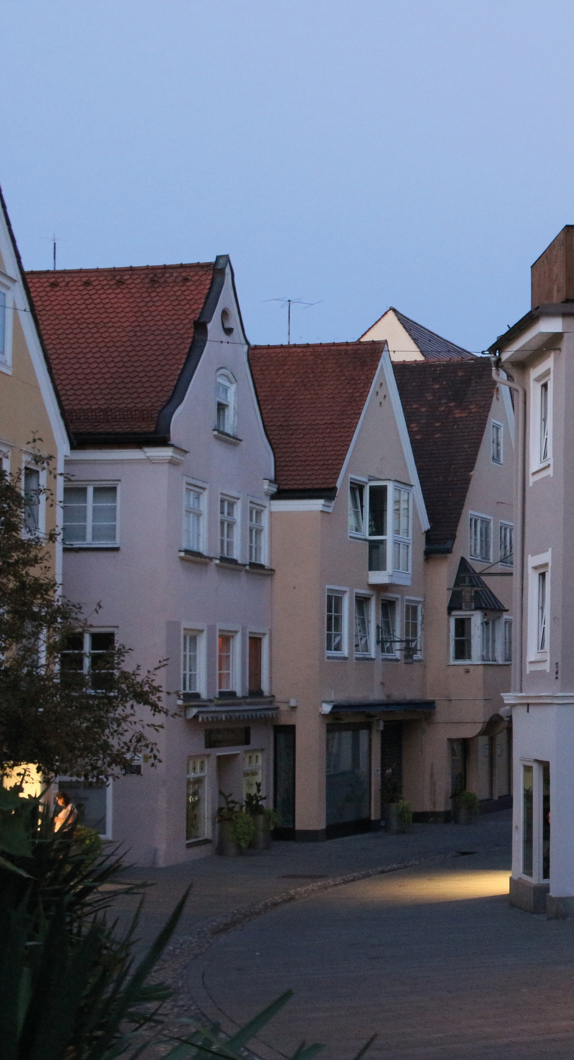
[[236, 828], [404, 815], [391, 796], [465, 807], [264, 820]]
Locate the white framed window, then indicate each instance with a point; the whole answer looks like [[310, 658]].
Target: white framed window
[[507, 641], [364, 625], [477, 637], [480, 545], [193, 661], [497, 434], [389, 532], [256, 533], [258, 680], [539, 611], [336, 622], [6, 321], [228, 662], [356, 509], [196, 809], [506, 540], [194, 518], [534, 816], [89, 653], [228, 527], [413, 627], [33, 481], [461, 638], [226, 401], [91, 514], [252, 773], [541, 407], [93, 801], [489, 639], [389, 628]]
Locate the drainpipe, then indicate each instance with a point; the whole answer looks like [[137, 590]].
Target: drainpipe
[[520, 449]]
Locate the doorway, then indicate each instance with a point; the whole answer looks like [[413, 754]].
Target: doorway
[[284, 780], [348, 779]]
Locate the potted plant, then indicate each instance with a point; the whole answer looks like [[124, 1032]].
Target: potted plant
[[391, 796], [264, 820], [236, 828], [404, 815], [465, 807]]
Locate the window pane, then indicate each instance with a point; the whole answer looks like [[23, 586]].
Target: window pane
[[377, 555], [356, 508], [362, 625], [104, 514], [527, 820], [195, 814], [101, 660], [334, 622], [489, 640], [377, 511], [227, 528], [388, 626], [462, 638], [255, 534], [72, 661], [31, 499], [224, 663], [542, 611], [75, 513], [192, 520], [189, 674], [544, 421], [412, 615], [401, 512], [496, 443], [255, 666], [507, 640]]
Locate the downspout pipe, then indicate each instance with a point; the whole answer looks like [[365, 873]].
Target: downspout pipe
[[518, 655]]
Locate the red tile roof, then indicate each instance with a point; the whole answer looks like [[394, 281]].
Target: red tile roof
[[446, 406], [118, 339], [311, 398]]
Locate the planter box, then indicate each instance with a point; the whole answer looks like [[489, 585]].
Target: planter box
[[262, 838], [226, 844]]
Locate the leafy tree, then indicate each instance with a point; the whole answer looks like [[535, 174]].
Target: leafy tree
[[52, 713]]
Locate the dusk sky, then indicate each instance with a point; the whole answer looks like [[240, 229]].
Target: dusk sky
[[355, 153]]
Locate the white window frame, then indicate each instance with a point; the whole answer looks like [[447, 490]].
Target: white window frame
[[200, 631], [396, 600], [502, 527], [341, 591], [237, 529], [7, 287], [485, 519], [542, 564], [540, 376], [226, 378], [201, 489], [418, 602], [236, 658], [537, 805], [371, 618], [90, 486], [252, 502], [489, 638], [506, 625], [30, 465], [203, 774], [390, 576], [497, 442], [108, 834], [360, 484], [263, 635]]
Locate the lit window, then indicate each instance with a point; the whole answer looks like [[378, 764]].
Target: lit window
[[480, 537], [31, 499], [496, 442], [227, 525], [335, 627], [90, 515], [462, 639], [413, 630], [363, 625], [506, 544], [193, 519], [196, 808], [255, 534], [389, 628], [225, 390], [356, 517]]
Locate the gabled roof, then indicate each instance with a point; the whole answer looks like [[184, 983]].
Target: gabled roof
[[431, 346], [311, 400], [471, 593], [446, 407], [118, 340]]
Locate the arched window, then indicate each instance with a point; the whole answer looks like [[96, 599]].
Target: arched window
[[225, 391]]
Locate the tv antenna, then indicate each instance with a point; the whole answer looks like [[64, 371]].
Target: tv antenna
[[288, 302], [53, 240]]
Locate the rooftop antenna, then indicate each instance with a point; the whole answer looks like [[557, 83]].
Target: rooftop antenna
[[53, 241], [289, 302]]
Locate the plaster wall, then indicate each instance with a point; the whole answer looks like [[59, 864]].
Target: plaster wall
[[401, 346]]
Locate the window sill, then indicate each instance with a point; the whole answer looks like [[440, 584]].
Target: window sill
[[259, 568], [390, 658], [335, 655], [229, 564], [357, 536], [5, 367], [382, 577], [193, 557], [231, 439], [364, 657], [198, 842], [88, 547]]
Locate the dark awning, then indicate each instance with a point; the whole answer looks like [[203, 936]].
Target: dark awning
[[471, 593], [376, 706]]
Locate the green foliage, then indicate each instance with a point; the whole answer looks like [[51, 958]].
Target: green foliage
[[468, 799], [404, 813], [272, 818], [230, 808], [242, 826], [254, 801], [77, 724], [88, 840]]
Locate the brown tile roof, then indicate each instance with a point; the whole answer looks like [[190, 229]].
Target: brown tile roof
[[311, 398], [446, 407], [118, 339], [432, 346]]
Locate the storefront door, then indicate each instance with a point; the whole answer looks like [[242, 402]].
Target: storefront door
[[348, 780]]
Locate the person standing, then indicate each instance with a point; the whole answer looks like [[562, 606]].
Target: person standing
[[66, 811]]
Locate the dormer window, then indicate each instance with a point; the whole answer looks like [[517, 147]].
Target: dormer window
[[225, 403]]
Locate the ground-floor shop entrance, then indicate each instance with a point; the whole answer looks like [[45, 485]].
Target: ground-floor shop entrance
[[348, 778]]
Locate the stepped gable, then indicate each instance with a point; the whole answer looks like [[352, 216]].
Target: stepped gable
[[117, 339], [446, 406], [311, 400]]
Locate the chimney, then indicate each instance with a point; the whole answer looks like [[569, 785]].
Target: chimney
[[552, 275]]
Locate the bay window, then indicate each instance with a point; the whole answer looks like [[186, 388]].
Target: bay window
[[389, 531]]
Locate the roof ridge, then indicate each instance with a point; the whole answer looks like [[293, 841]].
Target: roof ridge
[[306, 345], [403, 317], [120, 268]]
